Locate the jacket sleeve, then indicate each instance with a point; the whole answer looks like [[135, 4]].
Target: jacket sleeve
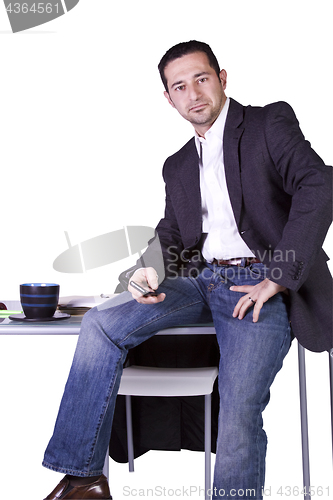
[[309, 183]]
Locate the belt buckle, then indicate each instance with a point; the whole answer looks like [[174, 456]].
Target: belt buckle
[[229, 262], [237, 261]]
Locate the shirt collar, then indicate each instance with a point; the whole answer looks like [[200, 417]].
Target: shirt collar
[[217, 129]]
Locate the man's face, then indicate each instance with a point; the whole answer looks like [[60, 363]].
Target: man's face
[[195, 90]]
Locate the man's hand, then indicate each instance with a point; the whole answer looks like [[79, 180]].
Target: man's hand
[[148, 279], [255, 296]]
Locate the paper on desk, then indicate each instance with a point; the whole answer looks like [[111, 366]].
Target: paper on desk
[[12, 305], [84, 301]]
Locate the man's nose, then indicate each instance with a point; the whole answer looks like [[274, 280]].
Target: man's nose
[[194, 92]]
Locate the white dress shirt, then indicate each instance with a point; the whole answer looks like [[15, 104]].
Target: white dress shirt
[[223, 239]]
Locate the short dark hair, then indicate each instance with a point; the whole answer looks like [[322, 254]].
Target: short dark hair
[[183, 49]]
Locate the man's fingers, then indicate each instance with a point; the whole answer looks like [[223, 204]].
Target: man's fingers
[[255, 296], [139, 297], [242, 288], [152, 278], [147, 278], [256, 311], [151, 299], [243, 305], [247, 301]]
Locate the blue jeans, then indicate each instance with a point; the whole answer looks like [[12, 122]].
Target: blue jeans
[[250, 356]]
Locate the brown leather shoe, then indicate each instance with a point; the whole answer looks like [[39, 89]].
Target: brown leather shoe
[[97, 490]]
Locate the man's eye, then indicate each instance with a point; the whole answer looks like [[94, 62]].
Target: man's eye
[[202, 80], [180, 87]]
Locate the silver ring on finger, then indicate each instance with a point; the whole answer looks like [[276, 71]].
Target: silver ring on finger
[[252, 300]]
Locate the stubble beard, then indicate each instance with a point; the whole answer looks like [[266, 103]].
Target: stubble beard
[[207, 115], [203, 117]]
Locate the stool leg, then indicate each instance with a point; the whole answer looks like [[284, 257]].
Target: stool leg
[[106, 466], [331, 385], [130, 446], [208, 445], [304, 422]]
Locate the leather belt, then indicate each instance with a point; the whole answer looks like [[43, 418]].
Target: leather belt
[[237, 261]]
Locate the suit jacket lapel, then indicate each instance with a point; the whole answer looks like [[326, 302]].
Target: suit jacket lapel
[[231, 138]]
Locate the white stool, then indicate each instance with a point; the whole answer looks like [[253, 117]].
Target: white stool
[[169, 382]]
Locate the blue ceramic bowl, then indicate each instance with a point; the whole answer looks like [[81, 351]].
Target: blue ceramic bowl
[[39, 300]]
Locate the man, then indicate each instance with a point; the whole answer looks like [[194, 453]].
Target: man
[[248, 205]]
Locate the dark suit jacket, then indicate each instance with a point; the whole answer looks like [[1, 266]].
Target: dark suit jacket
[[280, 192]]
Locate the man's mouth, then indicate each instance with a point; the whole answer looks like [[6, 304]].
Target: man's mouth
[[198, 107]]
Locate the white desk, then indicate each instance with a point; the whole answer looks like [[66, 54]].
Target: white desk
[[72, 325]]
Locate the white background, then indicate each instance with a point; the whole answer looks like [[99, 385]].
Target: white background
[[84, 131]]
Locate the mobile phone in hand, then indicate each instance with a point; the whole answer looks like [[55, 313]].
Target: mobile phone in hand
[[145, 293]]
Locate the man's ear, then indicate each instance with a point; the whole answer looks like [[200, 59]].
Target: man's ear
[[166, 94], [223, 78]]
